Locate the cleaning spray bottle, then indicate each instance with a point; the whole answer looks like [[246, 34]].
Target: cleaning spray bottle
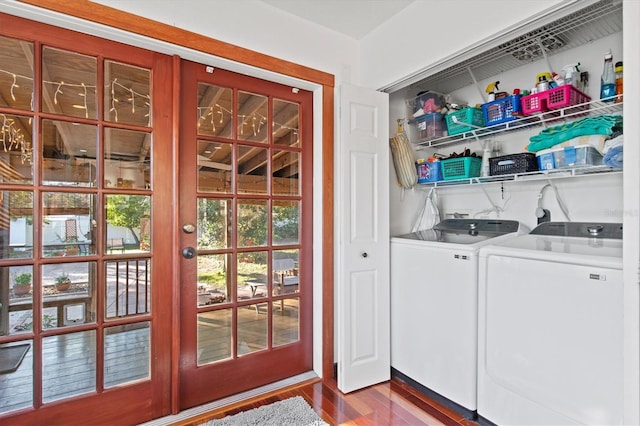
[[571, 74], [608, 79], [491, 89]]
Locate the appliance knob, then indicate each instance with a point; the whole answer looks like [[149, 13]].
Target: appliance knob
[[595, 230], [473, 225]]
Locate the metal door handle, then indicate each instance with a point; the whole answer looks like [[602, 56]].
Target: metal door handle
[[188, 252]]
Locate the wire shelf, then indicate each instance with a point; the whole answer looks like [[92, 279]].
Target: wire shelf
[[573, 112], [527, 176]]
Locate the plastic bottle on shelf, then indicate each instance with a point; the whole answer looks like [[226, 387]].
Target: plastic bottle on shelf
[[571, 74], [558, 79], [608, 79], [618, 70], [486, 154]]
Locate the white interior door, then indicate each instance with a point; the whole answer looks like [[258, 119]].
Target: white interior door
[[362, 287]]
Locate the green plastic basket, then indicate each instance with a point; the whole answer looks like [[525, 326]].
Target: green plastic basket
[[464, 117], [461, 168]]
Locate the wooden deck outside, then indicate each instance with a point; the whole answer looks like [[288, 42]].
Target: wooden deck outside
[[69, 365], [69, 360]]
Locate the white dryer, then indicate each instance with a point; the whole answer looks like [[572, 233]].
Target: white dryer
[[434, 299], [550, 349]]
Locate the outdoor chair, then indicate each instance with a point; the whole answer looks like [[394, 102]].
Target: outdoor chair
[[285, 278]]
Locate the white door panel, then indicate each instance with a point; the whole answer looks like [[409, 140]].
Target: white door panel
[[363, 201], [362, 317], [362, 261]]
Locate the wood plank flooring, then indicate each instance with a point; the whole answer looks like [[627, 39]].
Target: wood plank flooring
[[389, 403]]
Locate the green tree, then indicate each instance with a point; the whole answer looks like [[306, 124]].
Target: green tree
[[286, 223], [252, 223], [127, 210], [212, 223]]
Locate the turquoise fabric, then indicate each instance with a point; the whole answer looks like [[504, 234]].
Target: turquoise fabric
[[551, 136]]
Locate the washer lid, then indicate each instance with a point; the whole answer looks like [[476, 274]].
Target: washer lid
[[470, 237], [580, 229], [423, 235]]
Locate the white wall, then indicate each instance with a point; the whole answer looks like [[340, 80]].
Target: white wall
[[427, 31], [631, 255], [257, 26]]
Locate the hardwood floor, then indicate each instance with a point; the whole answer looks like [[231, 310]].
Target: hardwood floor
[[389, 403]]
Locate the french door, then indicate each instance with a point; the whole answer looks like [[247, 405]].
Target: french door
[[246, 214], [85, 211]]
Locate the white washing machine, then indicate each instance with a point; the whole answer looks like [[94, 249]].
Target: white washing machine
[[550, 349], [434, 299]]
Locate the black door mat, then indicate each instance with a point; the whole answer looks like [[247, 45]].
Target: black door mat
[[11, 357]]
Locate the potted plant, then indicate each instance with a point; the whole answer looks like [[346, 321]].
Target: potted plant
[[63, 282], [72, 249], [22, 283]]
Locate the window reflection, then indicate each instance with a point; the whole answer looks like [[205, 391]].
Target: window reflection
[[251, 170], [127, 162], [16, 57], [285, 123], [214, 164], [16, 155], [285, 166], [69, 83], [253, 117], [69, 153], [127, 94], [215, 107]]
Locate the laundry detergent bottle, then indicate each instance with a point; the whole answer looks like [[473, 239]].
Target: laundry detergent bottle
[[608, 79]]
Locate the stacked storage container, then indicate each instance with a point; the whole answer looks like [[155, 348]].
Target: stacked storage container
[[424, 113]]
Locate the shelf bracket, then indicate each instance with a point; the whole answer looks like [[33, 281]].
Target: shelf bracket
[[544, 53], [475, 82], [473, 127]]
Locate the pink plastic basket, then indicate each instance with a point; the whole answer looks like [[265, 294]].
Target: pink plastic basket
[[556, 98], [565, 96], [532, 104]]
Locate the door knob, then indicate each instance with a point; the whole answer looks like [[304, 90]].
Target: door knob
[[188, 228], [188, 252]]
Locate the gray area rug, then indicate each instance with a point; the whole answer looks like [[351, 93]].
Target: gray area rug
[[290, 412], [11, 357]]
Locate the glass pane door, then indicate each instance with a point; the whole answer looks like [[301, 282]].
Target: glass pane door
[[77, 221], [246, 289]]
